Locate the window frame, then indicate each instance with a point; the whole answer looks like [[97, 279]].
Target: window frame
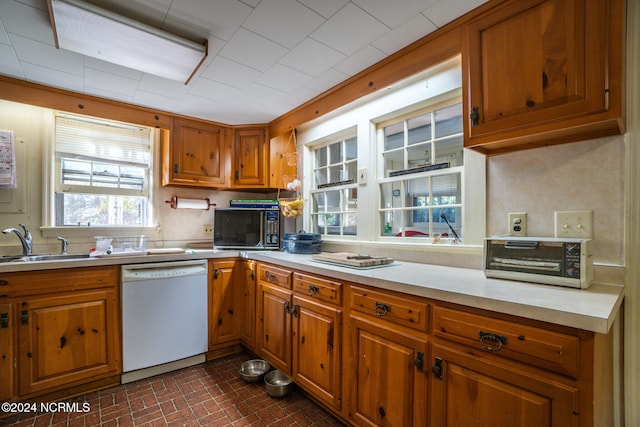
[[341, 186], [51, 175], [432, 235]]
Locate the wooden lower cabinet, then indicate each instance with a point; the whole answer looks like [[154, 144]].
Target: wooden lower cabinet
[[224, 303], [273, 328], [67, 338], [468, 390], [300, 334], [317, 349], [7, 352], [59, 329], [248, 285], [387, 378]]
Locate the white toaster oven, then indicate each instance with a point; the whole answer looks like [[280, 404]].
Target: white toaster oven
[[552, 261]]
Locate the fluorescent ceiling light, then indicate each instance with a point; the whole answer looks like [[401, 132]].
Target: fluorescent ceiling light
[[87, 29]]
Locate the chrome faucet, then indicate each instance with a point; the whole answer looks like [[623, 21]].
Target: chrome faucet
[[25, 239]]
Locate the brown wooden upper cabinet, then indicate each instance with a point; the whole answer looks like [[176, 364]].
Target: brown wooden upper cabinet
[[250, 158], [195, 154], [542, 72]]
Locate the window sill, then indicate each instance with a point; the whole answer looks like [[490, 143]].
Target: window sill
[[463, 256]]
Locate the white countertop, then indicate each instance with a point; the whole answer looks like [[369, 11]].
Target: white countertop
[[593, 309]]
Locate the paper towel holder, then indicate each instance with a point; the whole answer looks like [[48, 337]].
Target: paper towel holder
[[205, 204]]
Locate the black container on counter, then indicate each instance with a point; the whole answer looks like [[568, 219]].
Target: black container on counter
[[302, 243]]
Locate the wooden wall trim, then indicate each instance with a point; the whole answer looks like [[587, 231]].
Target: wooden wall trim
[[58, 99]]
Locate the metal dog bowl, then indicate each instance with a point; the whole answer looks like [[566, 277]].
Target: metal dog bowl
[[252, 370], [277, 384]]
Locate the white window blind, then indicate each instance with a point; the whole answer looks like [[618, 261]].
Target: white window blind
[[89, 139]]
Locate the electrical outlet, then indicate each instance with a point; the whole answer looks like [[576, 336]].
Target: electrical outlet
[[207, 229], [577, 224], [517, 224]]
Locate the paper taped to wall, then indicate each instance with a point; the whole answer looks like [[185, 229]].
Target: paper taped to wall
[[7, 159]]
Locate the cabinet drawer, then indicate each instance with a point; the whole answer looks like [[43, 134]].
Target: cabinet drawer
[[274, 275], [58, 280], [546, 349], [318, 288], [397, 310]]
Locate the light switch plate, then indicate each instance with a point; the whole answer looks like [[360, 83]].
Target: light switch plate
[[574, 224], [362, 176]]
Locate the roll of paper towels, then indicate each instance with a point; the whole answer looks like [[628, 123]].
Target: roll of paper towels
[[192, 204]]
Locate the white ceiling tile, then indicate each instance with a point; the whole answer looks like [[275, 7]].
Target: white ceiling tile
[[213, 90], [252, 50], [36, 52], [360, 60], [155, 100], [11, 72], [111, 68], [158, 85], [251, 3], [312, 57], [326, 80], [8, 58], [230, 73], [285, 22], [220, 17], [350, 30], [197, 106], [445, 11], [283, 78], [326, 8], [106, 93], [412, 30], [113, 83], [27, 21], [4, 37], [393, 13], [50, 77]]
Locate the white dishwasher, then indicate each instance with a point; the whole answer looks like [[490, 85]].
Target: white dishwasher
[[164, 317]]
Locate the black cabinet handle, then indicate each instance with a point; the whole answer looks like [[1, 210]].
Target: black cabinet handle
[[382, 309], [419, 361], [437, 368], [492, 342], [475, 116]]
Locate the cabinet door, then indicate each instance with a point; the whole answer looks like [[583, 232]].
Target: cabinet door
[[250, 158], [195, 155], [247, 333], [68, 338], [7, 353], [388, 382], [467, 390], [224, 303], [317, 349], [273, 334], [535, 62]]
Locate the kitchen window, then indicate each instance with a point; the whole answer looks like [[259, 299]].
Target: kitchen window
[[421, 173], [102, 172], [334, 191]]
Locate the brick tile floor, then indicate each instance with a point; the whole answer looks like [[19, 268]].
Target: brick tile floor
[[209, 394]]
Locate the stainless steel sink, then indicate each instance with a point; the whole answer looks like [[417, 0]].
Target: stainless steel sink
[[45, 257]]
